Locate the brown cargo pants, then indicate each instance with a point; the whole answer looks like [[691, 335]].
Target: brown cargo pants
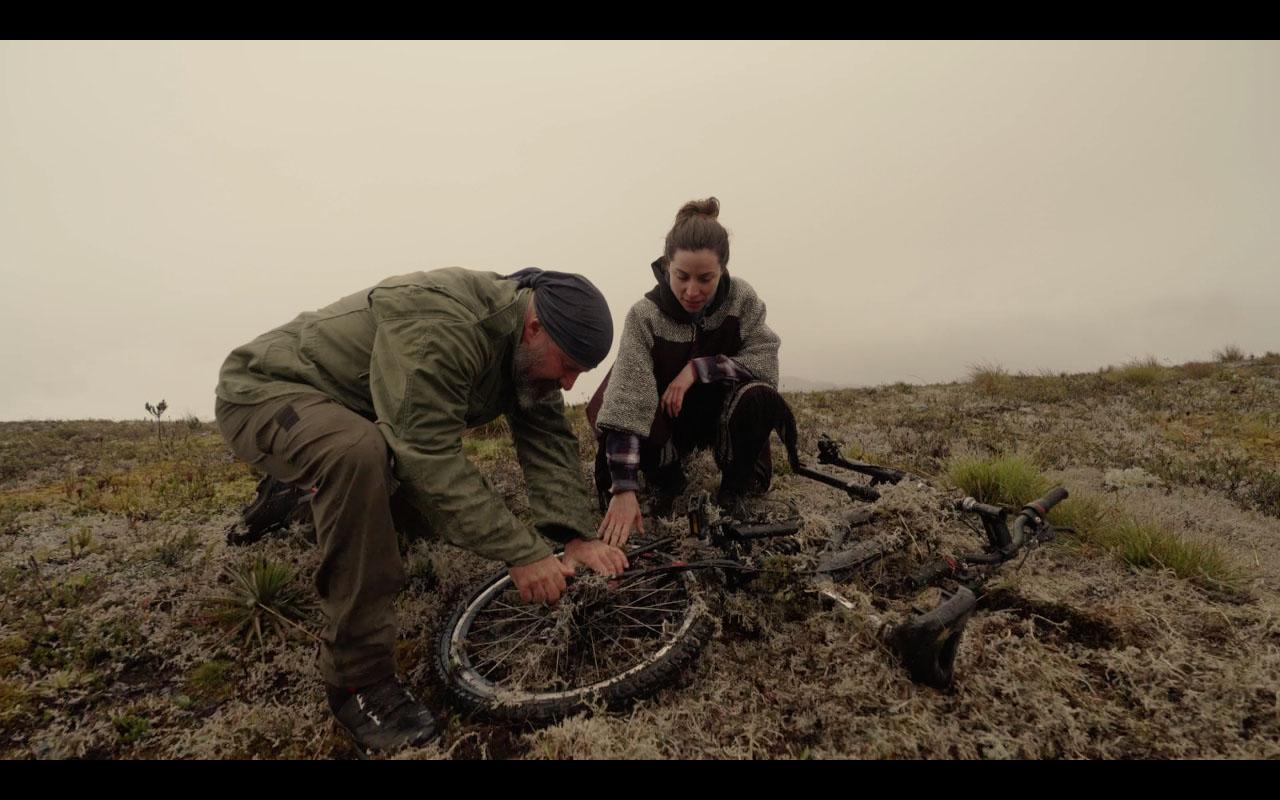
[[310, 440]]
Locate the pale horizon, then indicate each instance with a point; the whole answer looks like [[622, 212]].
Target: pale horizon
[[907, 210]]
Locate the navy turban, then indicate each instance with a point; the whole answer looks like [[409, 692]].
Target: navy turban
[[572, 310]]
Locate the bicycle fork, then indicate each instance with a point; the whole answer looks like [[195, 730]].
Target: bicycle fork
[[926, 643]]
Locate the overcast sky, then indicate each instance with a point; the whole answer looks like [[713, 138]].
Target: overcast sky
[[905, 209]]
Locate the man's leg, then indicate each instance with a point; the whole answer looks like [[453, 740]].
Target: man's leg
[[311, 440]]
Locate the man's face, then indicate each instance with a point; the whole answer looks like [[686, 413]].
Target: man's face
[[541, 367]]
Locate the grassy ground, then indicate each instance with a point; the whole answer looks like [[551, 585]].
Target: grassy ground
[[1152, 632]]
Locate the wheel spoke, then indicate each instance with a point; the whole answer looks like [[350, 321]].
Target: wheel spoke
[[498, 661], [513, 653]]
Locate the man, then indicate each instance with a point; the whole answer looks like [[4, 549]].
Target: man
[[365, 401]]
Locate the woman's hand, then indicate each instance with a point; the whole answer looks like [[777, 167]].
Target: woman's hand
[[602, 558], [673, 397], [622, 516]]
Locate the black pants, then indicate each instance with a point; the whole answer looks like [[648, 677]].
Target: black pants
[[735, 419]]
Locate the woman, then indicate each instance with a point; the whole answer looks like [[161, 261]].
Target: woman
[[697, 367]]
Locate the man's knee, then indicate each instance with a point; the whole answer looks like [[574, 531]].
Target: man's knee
[[365, 449]]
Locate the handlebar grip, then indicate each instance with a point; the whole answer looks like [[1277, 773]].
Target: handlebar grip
[[1047, 502], [972, 505]]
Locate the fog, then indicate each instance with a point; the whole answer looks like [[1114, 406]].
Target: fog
[[905, 209]]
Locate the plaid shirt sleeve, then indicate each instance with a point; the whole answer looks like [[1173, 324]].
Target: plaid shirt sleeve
[[623, 451], [710, 369]]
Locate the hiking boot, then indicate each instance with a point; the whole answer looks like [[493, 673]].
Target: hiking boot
[[275, 504], [383, 717]]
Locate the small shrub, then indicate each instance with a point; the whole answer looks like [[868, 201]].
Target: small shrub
[[80, 541], [173, 551], [1229, 354], [157, 411], [131, 728]]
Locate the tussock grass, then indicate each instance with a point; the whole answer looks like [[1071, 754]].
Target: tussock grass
[[1014, 480], [1044, 387], [1199, 369], [989, 379], [1010, 480], [1229, 354], [1138, 372], [1149, 545]]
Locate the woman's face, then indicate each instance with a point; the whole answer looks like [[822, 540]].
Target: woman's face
[[694, 275]]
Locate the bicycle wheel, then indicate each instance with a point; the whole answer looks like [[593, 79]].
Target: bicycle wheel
[[606, 643]]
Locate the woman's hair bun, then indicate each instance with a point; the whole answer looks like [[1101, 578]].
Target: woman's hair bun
[[694, 208]]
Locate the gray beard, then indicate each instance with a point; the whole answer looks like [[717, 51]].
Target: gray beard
[[529, 392]]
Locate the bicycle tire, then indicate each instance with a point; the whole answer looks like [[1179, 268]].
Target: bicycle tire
[[672, 647]]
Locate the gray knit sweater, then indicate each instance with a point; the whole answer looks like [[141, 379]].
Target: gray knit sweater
[[654, 348]]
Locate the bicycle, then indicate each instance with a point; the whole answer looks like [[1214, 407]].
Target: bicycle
[[611, 641]]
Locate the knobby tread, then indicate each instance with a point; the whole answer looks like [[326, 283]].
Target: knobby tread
[[655, 676]]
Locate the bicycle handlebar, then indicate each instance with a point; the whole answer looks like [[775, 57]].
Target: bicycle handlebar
[[1044, 504], [1037, 510], [970, 504]]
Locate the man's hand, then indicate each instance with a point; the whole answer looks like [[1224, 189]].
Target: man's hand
[[673, 397], [542, 581], [600, 557], [623, 515]]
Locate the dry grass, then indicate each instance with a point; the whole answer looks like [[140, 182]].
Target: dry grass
[[1102, 646], [1138, 372], [1199, 369], [989, 379], [1229, 354]]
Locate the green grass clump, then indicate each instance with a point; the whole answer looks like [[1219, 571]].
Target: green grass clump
[[1083, 512], [175, 548], [989, 379], [212, 681], [1138, 372], [1146, 544], [16, 703], [131, 728], [1010, 480]]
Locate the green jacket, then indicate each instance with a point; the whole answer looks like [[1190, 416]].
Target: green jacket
[[426, 356]]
